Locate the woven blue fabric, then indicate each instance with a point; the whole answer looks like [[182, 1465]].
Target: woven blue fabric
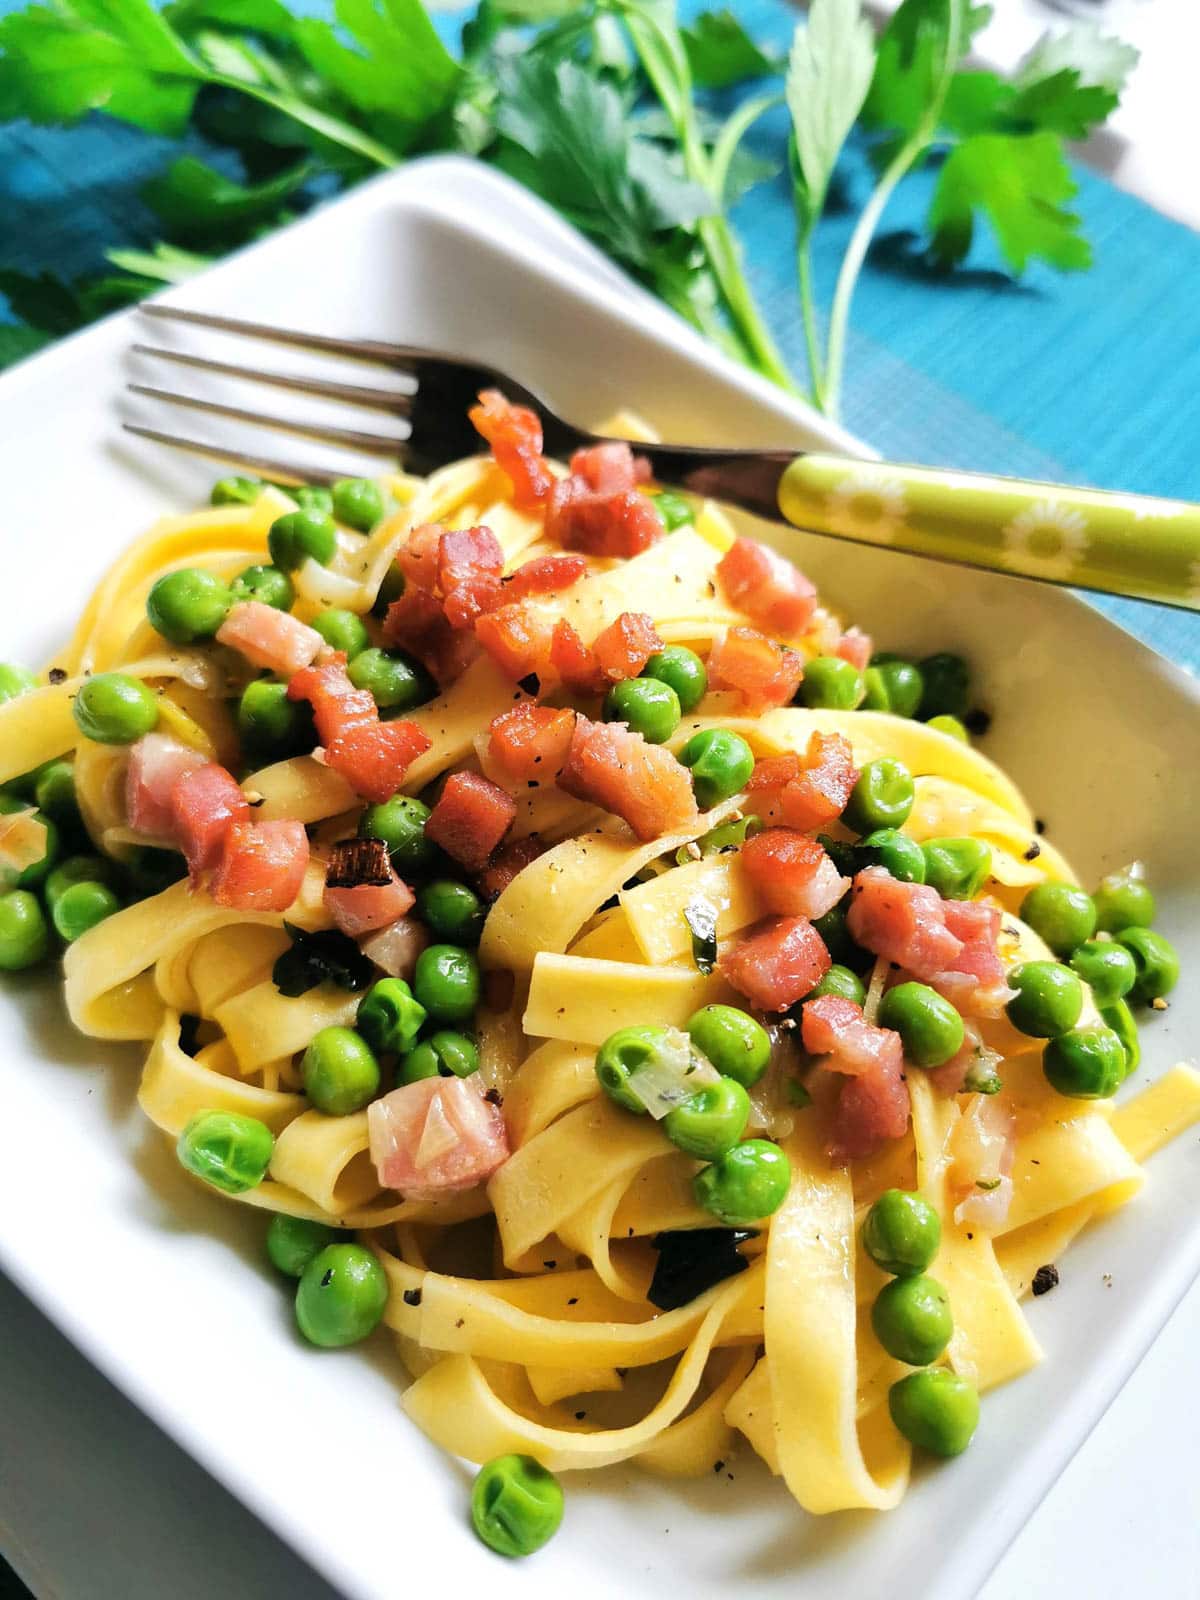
[[1088, 378]]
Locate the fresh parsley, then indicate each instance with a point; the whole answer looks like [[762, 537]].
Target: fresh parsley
[[631, 123]]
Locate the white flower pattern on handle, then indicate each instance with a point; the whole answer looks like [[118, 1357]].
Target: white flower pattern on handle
[[868, 505], [1047, 539]]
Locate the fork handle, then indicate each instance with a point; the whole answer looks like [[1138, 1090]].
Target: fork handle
[[1133, 545]]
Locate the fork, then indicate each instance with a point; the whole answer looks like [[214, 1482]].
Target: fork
[[1132, 545]]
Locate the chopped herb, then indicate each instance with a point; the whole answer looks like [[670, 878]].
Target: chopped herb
[[325, 957], [693, 1260], [795, 1093], [1045, 1279], [982, 1078], [730, 835], [701, 917], [987, 1184]]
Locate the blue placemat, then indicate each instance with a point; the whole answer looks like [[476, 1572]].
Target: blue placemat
[[1088, 378]]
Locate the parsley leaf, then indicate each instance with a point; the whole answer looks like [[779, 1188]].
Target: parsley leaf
[[720, 52], [569, 140], [1019, 183], [196, 201], [401, 71], [326, 957], [911, 60], [829, 73], [58, 63], [1100, 61]]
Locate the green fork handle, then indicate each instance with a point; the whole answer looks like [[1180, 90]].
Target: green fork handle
[[1133, 545]]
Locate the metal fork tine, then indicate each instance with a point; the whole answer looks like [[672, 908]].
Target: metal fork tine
[[376, 444], [388, 355], [266, 466], [353, 394]]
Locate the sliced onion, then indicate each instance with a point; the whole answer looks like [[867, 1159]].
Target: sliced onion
[[771, 1111], [395, 948], [22, 839], [325, 587], [672, 1076], [879, 977], [986, 1208]]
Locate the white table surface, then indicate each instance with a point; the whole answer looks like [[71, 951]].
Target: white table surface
[[97, 1504]]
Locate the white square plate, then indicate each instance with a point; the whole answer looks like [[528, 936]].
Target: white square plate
[[165, 1289]]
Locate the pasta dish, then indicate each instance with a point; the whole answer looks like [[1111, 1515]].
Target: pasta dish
[[608, 971]]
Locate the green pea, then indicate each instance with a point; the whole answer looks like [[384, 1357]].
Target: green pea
[[313, 497], [358, 502], [710, 1122], [893, 684], [81, 907], [647, 705], [1085, 1064], [1048, 1001], [843, 983], [957, 868], [1106, 967], [929, 1026], [936, 1410], [911, 1318], [24, 940], [902, 1233], [882, 797], [55, 794], [1062, 915], [227, 1150], [831, 925], [187, 605], [683, 670], [15, 681], [725, 836], [721, 763], [419, 1062], [516, 1505], [750, 1182], [952, 726], [451, 910], [895, 852], [737, 1045], [1156, 962], [390, 588], [945, 687], [36, 872], [114, 708], [272, 727], [292, 1242], [675, 511], [455, 1055], [622, 1056], [389, 1018], [340, 1071], [267, 585], [1120, 1019], [831, 682], [395, 681], [236, 491], [76, 869], [341, 1296], [1122, 900], [342, 630], [298, 535], [447, 982], [400, 823]]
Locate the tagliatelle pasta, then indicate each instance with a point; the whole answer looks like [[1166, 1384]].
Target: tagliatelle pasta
[[623, 894]]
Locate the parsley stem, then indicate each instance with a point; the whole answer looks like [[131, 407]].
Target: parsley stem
[[332, 128], [864, 230], [808, 312]]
